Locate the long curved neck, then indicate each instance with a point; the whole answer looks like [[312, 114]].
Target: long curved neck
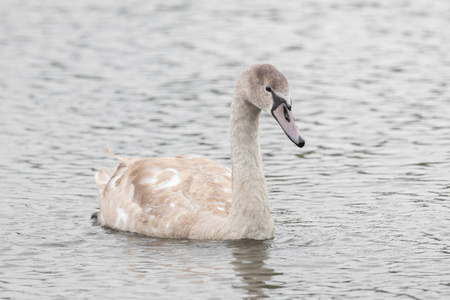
[[249, 214]]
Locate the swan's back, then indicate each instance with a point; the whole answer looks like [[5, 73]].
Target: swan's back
[[173, 197]]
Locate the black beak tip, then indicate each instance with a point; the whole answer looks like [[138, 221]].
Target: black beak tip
[[301, 143]]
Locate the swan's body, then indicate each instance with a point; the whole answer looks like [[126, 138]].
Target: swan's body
[[194, 197]]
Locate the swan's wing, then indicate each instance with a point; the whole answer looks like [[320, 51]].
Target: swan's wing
[[165, 196]]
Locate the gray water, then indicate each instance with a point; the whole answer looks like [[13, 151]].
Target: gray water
[[362, 212]]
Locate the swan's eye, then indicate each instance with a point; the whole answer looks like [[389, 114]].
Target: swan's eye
[[268, 88]]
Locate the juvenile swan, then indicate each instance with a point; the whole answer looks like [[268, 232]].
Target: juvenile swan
[[190, 196]]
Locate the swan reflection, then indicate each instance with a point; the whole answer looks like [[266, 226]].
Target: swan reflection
[[198, 263], [249, 265]]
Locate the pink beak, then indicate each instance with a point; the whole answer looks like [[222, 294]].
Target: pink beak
[[284, 117]]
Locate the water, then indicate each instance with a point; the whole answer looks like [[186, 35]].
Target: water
[[362, 211]]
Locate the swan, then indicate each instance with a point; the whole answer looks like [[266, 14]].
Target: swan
[[190, 196]]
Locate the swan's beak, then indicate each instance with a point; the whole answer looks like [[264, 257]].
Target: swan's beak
[[286, 120]]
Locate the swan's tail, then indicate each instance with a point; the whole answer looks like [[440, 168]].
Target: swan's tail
[[101, 179], [103, 175]]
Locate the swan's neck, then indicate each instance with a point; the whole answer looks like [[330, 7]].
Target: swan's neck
[[249, 214]]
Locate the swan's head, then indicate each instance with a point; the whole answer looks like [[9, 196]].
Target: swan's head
[[268, 90]]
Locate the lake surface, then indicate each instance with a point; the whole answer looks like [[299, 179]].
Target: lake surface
[[361, 212]]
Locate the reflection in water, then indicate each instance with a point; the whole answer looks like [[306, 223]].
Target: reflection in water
[[177, 261], [249, 264]]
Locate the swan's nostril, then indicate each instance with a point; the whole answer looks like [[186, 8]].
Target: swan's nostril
[[286, 114]]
